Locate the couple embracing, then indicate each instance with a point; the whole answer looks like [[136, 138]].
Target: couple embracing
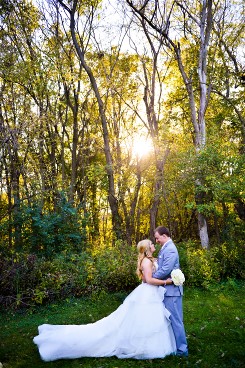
[[148, 325], [168, 260]]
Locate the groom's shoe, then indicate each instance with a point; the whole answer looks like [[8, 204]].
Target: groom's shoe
[[182, 354]]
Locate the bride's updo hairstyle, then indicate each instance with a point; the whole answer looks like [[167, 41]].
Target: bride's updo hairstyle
[[143, 251]]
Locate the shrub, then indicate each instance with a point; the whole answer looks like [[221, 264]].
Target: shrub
[[231, 259], [46, 232], [27, 279], [116, 268], [200, 266], [204, 267], [18, 276]]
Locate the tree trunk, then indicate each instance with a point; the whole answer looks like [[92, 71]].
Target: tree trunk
[[203, 230], [75, 108]]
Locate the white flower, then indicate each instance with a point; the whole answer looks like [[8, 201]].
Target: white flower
[[178, 277]]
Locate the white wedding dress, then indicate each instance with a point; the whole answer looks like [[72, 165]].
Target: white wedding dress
[[139, 328]]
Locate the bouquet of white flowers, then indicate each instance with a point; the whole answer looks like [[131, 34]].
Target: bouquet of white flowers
[[178, 277]]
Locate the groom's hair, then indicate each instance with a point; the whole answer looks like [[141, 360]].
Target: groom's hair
[[162, 230]]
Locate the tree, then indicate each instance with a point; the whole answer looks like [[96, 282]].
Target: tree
[[195, 22], [73, 10]]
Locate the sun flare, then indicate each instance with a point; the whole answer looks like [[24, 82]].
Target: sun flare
[[141, 146]]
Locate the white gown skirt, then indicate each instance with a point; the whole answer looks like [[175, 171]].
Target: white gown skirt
[[139, 328]]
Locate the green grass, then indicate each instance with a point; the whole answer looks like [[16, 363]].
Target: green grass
[[214, 321]]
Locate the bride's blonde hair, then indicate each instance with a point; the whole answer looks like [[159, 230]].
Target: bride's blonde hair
[[143, 252]]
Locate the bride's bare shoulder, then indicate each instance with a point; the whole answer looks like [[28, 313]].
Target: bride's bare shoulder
[[146, 262]]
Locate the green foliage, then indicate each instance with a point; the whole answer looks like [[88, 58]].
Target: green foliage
[[115, 268], [199, 265], [26, 279], [231, 258], [204, 268], [18, 277], [63, 276], [46, 232], [222, 171], [51, 135]]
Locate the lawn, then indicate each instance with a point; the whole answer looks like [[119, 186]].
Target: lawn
[[214, 321]]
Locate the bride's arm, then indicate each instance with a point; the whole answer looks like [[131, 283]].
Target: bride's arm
[[147, 271]]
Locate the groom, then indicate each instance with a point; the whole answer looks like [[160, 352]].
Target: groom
[[168, 260]]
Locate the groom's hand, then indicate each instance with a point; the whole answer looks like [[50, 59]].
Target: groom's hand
[[169, 281]]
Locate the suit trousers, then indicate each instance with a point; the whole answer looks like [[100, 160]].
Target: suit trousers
[[174, 305]]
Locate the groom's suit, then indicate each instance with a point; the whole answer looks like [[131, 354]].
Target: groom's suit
[[168, 260]]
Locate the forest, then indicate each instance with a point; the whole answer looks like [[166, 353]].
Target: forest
[[117, 116]]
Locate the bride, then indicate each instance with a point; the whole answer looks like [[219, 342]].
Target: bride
[[139, 328]]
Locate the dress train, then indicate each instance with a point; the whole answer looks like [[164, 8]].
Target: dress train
[[139, 328]]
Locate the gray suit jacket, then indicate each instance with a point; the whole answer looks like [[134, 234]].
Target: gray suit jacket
[[168, 260]]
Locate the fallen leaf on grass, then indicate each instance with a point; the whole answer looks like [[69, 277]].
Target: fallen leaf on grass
[[199, 361]]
